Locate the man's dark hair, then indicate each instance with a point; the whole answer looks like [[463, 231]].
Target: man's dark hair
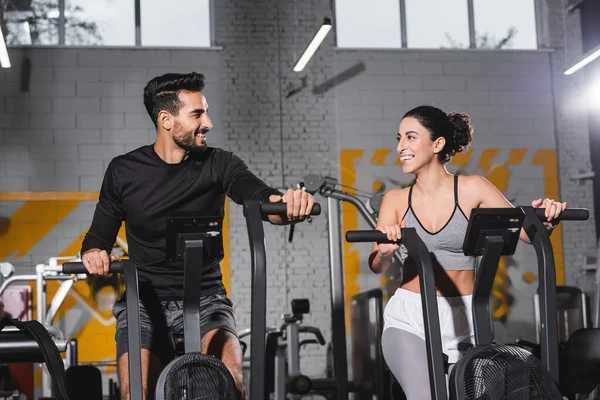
[[161, 93]]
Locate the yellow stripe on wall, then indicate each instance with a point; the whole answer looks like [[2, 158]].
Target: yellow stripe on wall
[[379, 156], [351, 259], [547, 159], [485, 160], [46, 196], [74, 247], [30, 223], [461, 159]]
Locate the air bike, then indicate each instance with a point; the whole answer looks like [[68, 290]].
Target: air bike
[[489, 370], [191, 238]]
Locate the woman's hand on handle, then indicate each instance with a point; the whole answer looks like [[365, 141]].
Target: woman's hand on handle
[[552, 210], [97, 262], [393, 233]]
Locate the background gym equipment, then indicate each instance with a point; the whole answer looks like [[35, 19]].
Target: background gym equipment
[[367, 365], [84, 382], [30, 341], [83, 376], [21, 348], [86, 379], [282, 364], [11, 395], [327, 187], [491, 241], [45, 314], [18, 347], [578, 344]]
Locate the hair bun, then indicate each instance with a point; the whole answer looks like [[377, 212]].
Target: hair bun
[[463, 130]]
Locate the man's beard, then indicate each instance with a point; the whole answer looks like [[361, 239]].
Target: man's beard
[[187, 141]]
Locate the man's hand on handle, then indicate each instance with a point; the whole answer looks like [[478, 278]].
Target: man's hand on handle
[[97, 262], [299, 205]]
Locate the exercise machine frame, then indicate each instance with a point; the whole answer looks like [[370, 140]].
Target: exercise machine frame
[[537, 232]]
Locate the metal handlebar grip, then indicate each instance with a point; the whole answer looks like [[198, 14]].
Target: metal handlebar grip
[[77, 267], [281, 208]]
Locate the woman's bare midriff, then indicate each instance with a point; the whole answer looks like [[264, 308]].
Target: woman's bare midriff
[[448, 283]]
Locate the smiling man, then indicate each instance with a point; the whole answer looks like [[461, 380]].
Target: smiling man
[[179, 172]]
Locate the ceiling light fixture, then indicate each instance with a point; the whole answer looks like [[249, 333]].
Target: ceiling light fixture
[[313, 45]]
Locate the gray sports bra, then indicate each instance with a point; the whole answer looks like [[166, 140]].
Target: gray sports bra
[[445, 245]]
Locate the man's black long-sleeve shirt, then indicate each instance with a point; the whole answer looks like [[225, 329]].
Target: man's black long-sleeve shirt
[[141, 189]]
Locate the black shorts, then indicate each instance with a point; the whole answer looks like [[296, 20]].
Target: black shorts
[[160, 320]]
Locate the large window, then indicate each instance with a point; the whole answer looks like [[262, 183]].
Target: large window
[[448, 26], [190, 27], [107, 22], [27, 24], [185, 23], [373, 24], [508, 24]]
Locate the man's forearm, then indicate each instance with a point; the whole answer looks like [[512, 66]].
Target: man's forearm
[[102, 233]]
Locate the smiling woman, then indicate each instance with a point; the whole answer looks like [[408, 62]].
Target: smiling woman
[[437, 205]]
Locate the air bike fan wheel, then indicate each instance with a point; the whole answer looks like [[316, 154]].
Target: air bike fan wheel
[[196, 376], [501, 372]]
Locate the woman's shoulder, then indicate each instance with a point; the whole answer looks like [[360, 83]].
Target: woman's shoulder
[[398, 197], [397, 192], [476, 188], [393, 205], [473, 182]]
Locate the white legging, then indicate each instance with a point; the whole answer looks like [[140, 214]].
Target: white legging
[[406, 356]]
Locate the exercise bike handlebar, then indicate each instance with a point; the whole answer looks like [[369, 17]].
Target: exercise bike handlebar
[[370, 236], [570, 214], [281, 208], [315, 331], [77, 267]]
